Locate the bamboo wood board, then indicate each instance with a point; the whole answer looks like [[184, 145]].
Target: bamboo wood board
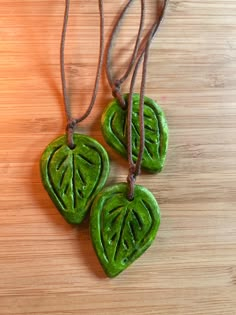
[[49, 267]]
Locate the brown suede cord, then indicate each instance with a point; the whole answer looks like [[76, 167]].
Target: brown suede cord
[[116, 83], [71, 121]]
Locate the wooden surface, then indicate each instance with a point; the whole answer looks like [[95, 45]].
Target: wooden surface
[[47, 266]]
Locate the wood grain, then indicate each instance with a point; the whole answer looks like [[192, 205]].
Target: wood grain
[[48, 267]]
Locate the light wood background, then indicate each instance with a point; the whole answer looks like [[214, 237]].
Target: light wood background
[[47, 266]]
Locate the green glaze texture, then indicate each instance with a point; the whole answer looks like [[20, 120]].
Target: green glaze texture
[[121, 230], [114, 128], [72, 177]]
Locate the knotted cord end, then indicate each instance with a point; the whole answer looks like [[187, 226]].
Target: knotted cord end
[[131, 178], [116, 93], [70, 129]]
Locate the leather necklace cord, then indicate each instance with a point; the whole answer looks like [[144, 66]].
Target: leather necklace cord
[[116, 83], [71, 121], [153, 31], [140, 53], [135, 168], [139, 48]]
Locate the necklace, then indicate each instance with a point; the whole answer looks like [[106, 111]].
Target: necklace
[[125, 217], [114, 119], [75, 167]]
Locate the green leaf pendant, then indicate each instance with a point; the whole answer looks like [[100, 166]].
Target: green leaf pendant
[[72, 177], [121, 230], [114, 128]]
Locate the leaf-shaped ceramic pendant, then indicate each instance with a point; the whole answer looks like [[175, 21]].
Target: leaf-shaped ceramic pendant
[[114, 128], [72, 177], [121, 230]]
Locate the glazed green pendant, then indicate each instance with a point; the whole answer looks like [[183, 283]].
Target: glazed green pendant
[[121, 230], [72, 177], [114, 128]]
